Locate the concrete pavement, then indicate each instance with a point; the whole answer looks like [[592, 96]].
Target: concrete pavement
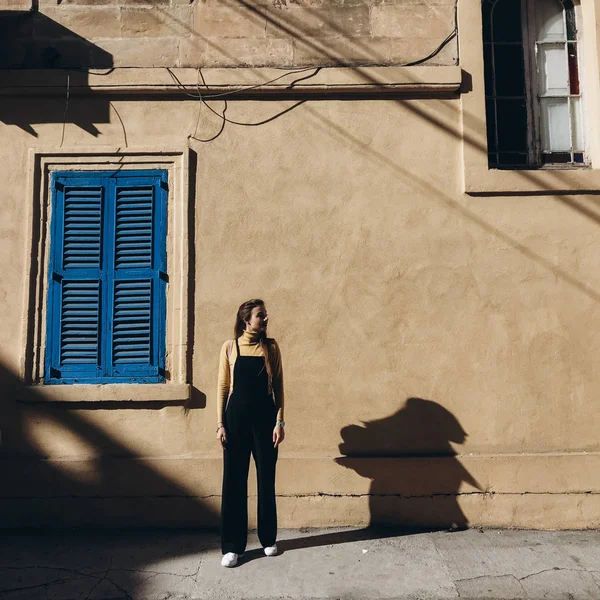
[[332, 563]]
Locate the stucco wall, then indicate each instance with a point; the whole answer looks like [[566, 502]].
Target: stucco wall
[[384, 282], [439, 348]]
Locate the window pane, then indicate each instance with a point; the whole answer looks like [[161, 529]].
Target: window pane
[[488, 69], [556, 158], [510, 77], [487, 19], [577, 124], [512, 125], [506, 21], [554, 117], [512, 159], [573, 68], [549, 21], [552, 65], [571, 23]]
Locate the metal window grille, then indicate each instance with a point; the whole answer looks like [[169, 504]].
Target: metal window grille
[[534, 109]]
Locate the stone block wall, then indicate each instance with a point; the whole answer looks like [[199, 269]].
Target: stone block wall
[[224, 33]]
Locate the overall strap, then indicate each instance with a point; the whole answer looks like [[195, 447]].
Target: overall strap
[[237, 346]]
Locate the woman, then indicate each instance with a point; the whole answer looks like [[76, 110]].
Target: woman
[[250, 421]]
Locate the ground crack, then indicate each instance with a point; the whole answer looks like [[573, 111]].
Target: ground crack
[[99, 581], [510, 575], [74, 574], [553, 569]]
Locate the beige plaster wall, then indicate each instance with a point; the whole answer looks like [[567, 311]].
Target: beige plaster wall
[[214, 33], [383, 281]]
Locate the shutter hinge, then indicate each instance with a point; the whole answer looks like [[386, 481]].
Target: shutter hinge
[[59, 186], [164, 185], [162, 275], [54, 373], [57, 276]]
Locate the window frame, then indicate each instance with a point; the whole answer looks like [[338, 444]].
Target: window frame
[[530, 26], [532, 92], [478, 178], [44, 162]]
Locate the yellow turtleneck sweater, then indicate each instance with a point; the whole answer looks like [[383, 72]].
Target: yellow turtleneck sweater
[[249, 346]]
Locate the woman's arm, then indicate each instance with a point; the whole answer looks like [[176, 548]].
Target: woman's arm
[[277, 367], [277, 373], [223, 383]]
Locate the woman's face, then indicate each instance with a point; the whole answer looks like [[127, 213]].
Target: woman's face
[[258, 320]]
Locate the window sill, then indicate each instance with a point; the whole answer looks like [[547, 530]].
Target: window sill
[[253, 81], [152, 392], [479, 180]]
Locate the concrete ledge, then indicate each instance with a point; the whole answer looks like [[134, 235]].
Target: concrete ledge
[[104, 474], [564, 511], [156, 392], [246, 81], [541, 491], [482, 181]]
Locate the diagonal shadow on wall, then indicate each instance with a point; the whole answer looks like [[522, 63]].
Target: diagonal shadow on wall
[[31, 40], [113, 488]]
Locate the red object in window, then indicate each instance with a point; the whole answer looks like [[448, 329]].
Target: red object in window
[[573, 69]]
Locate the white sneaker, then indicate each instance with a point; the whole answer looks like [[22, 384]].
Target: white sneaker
[[271, 550], [230, 559]]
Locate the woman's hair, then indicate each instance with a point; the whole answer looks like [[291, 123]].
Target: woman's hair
[[243, 314]]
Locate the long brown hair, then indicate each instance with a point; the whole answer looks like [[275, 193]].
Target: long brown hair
[[243, 313]]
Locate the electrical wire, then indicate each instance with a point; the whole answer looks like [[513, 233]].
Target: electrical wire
[[263, 122], [121, 121], [222, 116], [108, 71], [202, 98], [420, 61], [240, 90], [413, 63], [64, 125]]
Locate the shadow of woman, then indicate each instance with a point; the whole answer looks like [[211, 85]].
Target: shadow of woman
[[415, 475], [409, 457]]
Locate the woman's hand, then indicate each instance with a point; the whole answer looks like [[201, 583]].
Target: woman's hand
[[222, 436], [278, 435]]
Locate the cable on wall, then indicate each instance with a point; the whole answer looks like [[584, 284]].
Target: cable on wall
[[64, 125], [203, 97], [214, 96], [222, 116]]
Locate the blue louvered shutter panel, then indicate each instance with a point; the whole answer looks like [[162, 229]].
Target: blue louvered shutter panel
[[139, 288], [75, 286], [107, 281]]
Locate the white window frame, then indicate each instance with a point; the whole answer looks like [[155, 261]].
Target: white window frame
[[533, 100], [532, 81], [478, 178]]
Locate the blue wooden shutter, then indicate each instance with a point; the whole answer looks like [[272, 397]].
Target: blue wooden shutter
[[138, 290], [107, 283], [75, 287]]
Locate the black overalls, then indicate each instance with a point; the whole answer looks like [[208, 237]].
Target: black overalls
[[249, 420]]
